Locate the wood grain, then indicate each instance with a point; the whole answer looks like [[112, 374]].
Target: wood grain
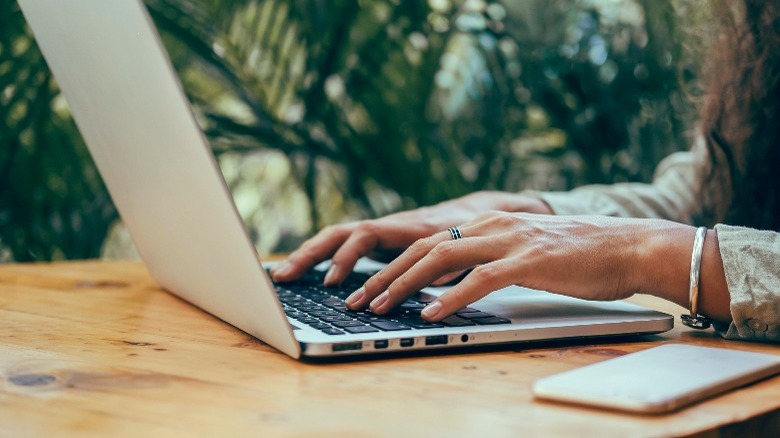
[[97, 348]]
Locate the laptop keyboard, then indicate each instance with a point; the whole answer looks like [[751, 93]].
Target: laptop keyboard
[[309, 302]]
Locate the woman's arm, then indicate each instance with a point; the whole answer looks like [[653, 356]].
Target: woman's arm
[[594, 258], [589, 257], [685, 189]]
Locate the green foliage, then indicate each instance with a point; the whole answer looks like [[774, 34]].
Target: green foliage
[[393, 103], [433, 99], [52, 202]]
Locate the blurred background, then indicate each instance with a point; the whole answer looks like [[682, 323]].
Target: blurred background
[[321, 111]]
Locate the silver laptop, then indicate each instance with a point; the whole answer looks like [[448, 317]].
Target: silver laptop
[[138, 125]]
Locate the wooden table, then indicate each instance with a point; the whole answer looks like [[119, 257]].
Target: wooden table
[[97, 348]]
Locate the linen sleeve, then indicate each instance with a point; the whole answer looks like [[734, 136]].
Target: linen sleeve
[[677, 193], [751, 261]]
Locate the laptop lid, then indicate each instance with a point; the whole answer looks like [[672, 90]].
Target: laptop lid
[[128, 104]]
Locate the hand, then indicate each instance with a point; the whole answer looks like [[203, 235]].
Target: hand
[[385, 238], [590, 257]]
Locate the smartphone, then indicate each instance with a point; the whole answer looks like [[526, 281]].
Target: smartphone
[[658, 380]]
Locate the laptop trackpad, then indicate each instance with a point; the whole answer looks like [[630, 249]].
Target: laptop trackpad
[[522, 305]]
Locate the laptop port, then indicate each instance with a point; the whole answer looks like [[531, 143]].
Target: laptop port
[[407, 342], [349, 346], [436, 340], [379, 345]]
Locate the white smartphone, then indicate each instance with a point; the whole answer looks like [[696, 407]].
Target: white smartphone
[[659, 379]]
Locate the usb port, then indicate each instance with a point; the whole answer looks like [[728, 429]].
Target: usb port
[[349, 346], [380, 344], [436, 340], [407, 342]]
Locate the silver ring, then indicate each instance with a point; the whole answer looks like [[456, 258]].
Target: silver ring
[[455, 233]]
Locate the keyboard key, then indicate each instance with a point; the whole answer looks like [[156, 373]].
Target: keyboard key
[[401, 312], [343, 294], [323, 313], [336, 318], [361, 329], [418, 323], [491, 320], [333, 302], [308, 320], [412, 305], [389, 325], [312, 308], [339, 317], [369, 319], [466, 310], [456, 321], [316, 296], [332, 331], [475, 315], [284, 293], [345, 324], [320, 325]]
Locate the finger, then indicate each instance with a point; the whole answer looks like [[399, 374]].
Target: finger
[[481, 281], [445, 257], [318, 248], [419, 249], [379, 282], [447, 278], [360, 243], [375, 239]]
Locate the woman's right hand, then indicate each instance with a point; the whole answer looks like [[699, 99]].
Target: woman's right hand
[[385, 238]]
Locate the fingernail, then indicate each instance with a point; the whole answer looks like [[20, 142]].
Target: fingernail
[[281, 269], [330, 277], [432, 310], [376, 305], [355, 297]]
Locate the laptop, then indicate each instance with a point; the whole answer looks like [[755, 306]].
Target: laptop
[[140, 129]]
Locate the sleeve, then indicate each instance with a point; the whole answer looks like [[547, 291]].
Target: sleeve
[[751, 261], [677, 193]]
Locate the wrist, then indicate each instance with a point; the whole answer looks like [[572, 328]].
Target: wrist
[[714, 297], [664, 264], [664, 260]]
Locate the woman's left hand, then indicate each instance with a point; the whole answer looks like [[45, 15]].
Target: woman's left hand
[[590, 257]]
